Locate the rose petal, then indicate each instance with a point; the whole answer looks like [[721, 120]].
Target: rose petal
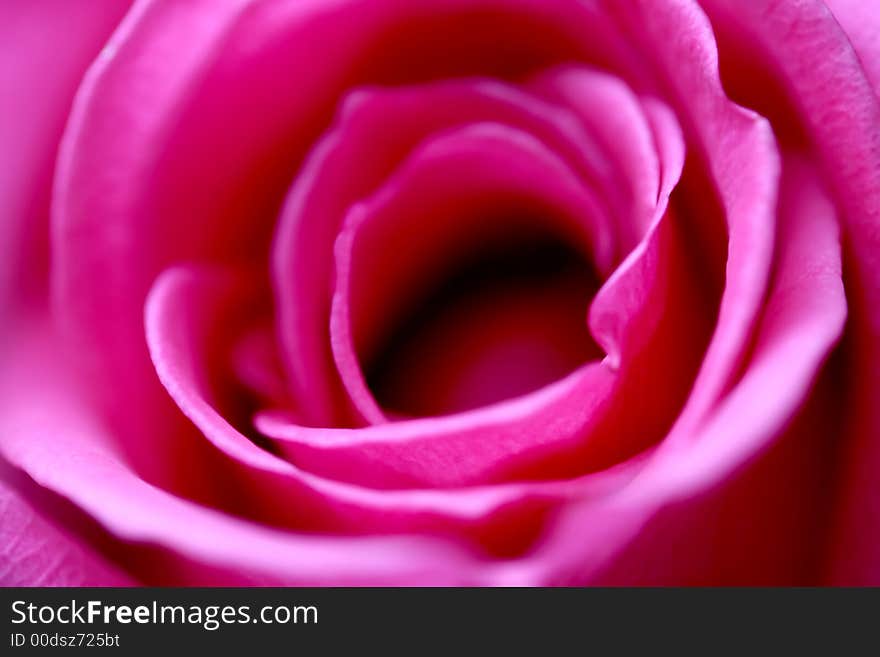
[[625, 293], [740, 154], [816, 65], [499, 516], [742, 485], [335, 176], [613, 115], [143, 156], [484, 445], [555, 424], [47, 431], [861, 22], [256, 365], [46, 49], [36, 552], [706, 465], [441, 199]]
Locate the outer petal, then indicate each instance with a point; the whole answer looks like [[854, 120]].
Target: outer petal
[[824, 79], [738, 150], [142, 160], [744, 500], [185, 306], [861, 22], [46, 49], [34, 551], [46, 430]]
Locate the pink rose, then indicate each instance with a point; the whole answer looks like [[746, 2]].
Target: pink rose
[[475, 292]]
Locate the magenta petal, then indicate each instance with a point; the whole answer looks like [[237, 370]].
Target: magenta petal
[[520, 435], [861, 22], [47, 431], [626, 293], [817, 66], [256, 365], [801, 322], [142, 162], [199, 114], [582, 423], [441, 199], [35, 552], [487, 443], [462, 449], [47, 47], [176, 330], [349, 163], [611, 113], [739, 150], [742, 484]]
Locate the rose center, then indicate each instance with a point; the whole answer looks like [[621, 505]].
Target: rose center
[[502, 318]]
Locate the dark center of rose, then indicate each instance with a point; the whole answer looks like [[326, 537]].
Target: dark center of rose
[[505, 317]]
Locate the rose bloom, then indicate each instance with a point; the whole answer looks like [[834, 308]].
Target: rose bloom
[[440, 292]]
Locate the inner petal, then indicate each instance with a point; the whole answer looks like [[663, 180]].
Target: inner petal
[[457, 253], [350, 163]]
